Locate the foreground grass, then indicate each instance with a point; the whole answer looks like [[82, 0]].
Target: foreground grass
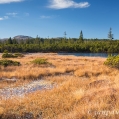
[[85, 89]]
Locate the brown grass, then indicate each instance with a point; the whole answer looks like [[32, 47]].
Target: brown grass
[[85, 89]]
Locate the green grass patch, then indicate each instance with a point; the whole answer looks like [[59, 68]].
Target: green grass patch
[[6, 63]]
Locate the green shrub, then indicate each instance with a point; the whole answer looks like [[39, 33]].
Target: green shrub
[[6, 63], [18, 55], [8, 55], [112, 61], [39, 61], [5, 51]]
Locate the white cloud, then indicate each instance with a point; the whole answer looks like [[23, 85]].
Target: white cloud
[[12, 14], [3, 18], [62, 4], [45, 17], [9, 1]]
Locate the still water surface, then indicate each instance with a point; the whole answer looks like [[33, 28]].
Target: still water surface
[[89, 54]]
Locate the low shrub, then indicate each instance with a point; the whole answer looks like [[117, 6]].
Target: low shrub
[[6, 63], [39, 61], [5, 51], [8, 55], [18, 55], [112, 61]]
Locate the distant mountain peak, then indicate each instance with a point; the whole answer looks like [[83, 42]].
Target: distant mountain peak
[[22, 37]]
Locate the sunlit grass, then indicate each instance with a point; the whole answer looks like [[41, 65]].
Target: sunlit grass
[[83, 85]]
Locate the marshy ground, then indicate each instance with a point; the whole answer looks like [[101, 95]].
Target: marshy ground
[[83, 88]]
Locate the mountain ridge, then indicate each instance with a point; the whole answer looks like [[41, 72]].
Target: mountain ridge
[[22, 37]]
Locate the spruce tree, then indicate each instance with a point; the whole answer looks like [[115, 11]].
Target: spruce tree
[[110, 35], [9, 41], [65, 35], [81, 36]]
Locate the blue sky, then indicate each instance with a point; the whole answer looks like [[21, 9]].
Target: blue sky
[[53, 17]]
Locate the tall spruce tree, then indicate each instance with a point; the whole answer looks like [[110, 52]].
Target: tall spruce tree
[[65, 35], [81, 36], [110, 35], [9, 41]]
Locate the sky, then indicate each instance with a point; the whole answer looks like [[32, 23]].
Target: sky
[[51, 18]]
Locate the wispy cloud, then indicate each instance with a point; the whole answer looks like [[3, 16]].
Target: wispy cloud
[[27, 14], [9, 1], [3, 18], [13, 14], [45, 17], [62, 4]]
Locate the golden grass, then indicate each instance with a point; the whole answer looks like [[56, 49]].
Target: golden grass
[[85, 88]]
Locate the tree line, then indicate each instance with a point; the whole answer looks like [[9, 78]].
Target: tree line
[[61, 45]]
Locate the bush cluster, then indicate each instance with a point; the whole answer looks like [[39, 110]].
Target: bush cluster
[[6, 63], [10, 55], [112, 61], [18, 55]]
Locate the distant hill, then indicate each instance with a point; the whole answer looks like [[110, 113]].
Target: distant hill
[[22, 37], [3, 38]]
